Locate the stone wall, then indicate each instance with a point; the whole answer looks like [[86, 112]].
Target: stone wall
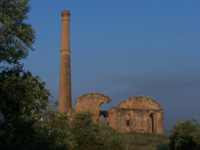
[[140, 114], [91, 102]]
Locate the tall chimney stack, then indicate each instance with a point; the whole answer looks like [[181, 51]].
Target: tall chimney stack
[[65, 66]]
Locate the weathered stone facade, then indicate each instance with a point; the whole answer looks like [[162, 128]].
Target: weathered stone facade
[[140, 114], [91, 102]]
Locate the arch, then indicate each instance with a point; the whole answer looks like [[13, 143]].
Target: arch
[[91, 102], [128, 119], [140, 102]]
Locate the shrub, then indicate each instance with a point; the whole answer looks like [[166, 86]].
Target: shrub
[[185, 135]]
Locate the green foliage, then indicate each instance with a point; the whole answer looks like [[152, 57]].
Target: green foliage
[[81, 133], [185, 135], [21, 94], [53, 130], [146, 141], [28, 119], [22, 97], [16, 36], [87, 135]]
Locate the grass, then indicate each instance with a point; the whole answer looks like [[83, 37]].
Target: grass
[[137, 141]]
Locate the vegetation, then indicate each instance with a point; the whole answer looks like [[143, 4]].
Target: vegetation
[[16, 36], [23, 97], [87, 135], [30, 120], [138, 141], [185, 135]]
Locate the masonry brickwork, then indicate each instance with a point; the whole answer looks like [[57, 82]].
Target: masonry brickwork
[[140, 113], [91, 102], [65, 65]]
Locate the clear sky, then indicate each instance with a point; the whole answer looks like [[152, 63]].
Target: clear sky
[[123, 48]]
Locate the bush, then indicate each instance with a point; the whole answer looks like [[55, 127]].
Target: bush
[[185, 135], [87, 135]]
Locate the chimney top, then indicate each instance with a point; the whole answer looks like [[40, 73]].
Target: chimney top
[[65, 12]]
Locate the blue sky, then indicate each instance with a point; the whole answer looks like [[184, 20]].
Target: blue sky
[[123, 49]]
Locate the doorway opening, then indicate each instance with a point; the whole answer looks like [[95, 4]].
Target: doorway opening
[[151, 123], [128, 120]]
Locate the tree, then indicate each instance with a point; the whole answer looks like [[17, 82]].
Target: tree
[[21, 94], [53, 130], [87, 135], [23, 97], [27, 120], [16, 36], [185, 135]]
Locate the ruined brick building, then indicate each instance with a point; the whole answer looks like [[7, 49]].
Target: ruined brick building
[[140, 114]]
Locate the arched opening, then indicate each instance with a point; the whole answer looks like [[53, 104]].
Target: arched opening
[[151, 123], [103, 114], [101, 118], [128, 120], [104, 117], [91, 102]]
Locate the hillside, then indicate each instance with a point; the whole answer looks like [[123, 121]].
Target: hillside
[[137, 141]]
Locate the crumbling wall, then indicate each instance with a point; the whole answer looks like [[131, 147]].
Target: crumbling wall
[[140, 114], [91, 102], [140, 102]]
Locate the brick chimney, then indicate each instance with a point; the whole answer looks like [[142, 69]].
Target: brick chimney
[[65, 66]]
